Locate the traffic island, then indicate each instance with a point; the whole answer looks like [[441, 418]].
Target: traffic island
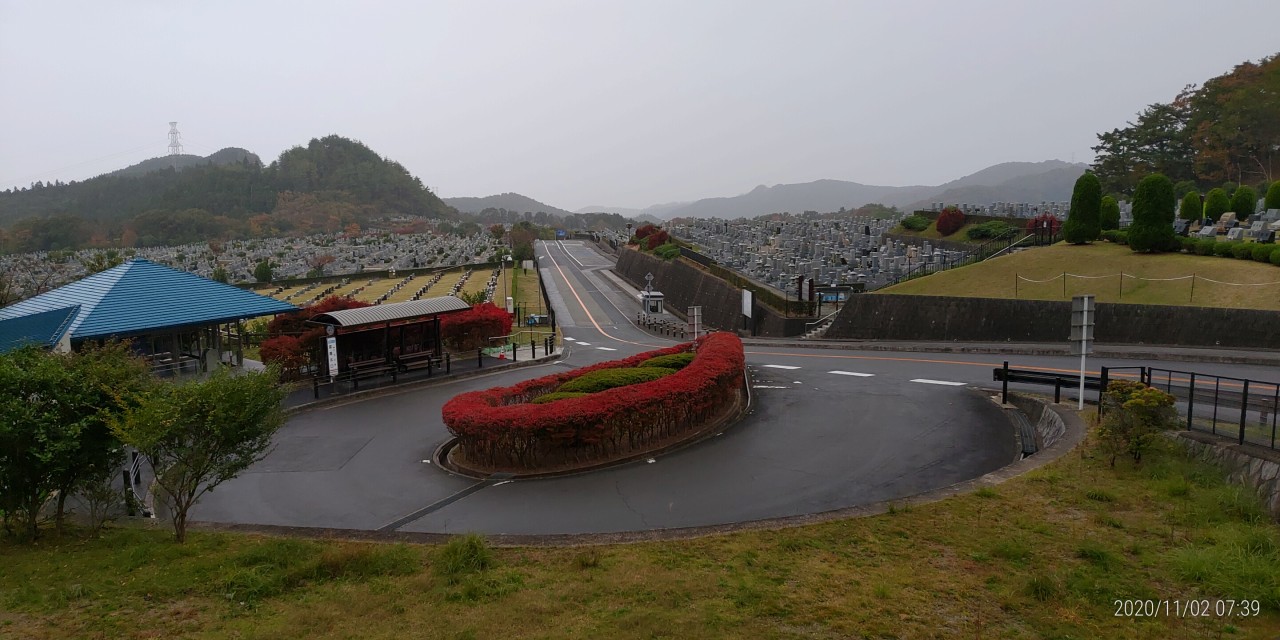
[[600, 415]]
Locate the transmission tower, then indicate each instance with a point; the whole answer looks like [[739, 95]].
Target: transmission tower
[[175, 140]]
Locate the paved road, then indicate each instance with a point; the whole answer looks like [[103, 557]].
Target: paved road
[[830, 429]]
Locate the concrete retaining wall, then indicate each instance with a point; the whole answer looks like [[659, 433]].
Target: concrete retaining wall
[[684, 285], [1049, 425], [904, 317], [1245, 465]]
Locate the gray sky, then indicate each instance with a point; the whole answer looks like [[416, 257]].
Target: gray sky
[[605, 103]]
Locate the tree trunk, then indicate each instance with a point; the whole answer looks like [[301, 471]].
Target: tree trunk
[[57, 516]]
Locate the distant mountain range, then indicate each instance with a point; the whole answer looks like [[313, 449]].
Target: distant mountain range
[[230, 155], [1051, 180], [509, 201]]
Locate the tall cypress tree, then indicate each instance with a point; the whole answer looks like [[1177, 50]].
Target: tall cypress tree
[[1191, 208], [1216, 203], [1109, 216], [1153, 202], [1273, 196], [1084, 220], [1243, 201]]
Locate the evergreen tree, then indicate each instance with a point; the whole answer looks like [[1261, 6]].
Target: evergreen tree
[[1273, 196], [1084, 222], [1191, 208], [1153, 202], [1109, 215], [1216, 203], [262, 272], [1243, 202]]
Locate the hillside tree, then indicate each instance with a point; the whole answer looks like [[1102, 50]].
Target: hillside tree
[[262, 272]]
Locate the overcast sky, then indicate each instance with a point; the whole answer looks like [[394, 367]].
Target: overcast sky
[[605, 103]]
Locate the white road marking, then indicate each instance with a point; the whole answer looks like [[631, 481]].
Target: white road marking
[[941, 382], [779, 366], [570, 339], [606, 348], [765, 386], [584, 344], [852, 373]]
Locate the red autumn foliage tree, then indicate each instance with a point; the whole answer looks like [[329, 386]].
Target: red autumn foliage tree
[[285, 351], [500, 428], [950, 221], [471, 329], [308, 335], [1044, 221]]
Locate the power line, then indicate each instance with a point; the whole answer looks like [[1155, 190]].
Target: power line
[[54, 172]]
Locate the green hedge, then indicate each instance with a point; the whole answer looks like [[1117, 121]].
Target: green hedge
[[673, 361], [597, 381], [989, 229], [1118, 237], [558, 395], [915, 223], [1223, 249], [1241, 251], [1262, 252]]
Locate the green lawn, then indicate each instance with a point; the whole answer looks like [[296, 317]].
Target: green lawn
[[931, 232], [995, 278], [1044, 555]]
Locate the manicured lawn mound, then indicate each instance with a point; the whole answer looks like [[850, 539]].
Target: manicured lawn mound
[[673, 361], [558, 395], [501, 428], [994, 278], [605, 379]]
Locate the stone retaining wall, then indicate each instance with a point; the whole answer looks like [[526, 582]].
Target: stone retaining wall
[[1247, 465]]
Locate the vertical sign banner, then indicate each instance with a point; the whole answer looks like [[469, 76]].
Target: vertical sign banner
[[1082, 319], [748, 301], [332, 345]]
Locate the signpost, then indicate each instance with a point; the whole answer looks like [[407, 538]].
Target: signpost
[[695, 319], [1083, 312], [748, 304], [331, 344]]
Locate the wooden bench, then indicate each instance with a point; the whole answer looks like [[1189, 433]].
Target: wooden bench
[[424, 359], [369, 369]]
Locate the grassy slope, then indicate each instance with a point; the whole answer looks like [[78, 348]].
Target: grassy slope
[[1043, 555], [931, 232], [995, 277]]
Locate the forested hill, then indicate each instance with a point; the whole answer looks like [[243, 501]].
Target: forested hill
[[230, 155], [508, 201], [324, 186]]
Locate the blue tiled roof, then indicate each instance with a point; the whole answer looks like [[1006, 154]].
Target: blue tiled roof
[[140, 296], [43, 329]]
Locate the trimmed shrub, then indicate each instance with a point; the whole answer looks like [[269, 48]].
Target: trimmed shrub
[[1273, 196], [471, 329], [989, 229], [1243, 202], [1115, 236], [1216, 203], [1109, 213], [1153, 202], [1204, 246], [1241, 251], [598, 381], [950, 221], [668, 251], [498, 427], [1262, 252], [1223, 249], [1188, 244], [1275, 258], [915, 223], [1084, 218], [558, 395], [673, 361], [1190, 209]]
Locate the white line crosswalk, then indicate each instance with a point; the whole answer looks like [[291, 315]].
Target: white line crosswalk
[[852, 373], [779, 366]]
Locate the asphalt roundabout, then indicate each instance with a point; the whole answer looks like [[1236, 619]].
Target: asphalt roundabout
[[824, 433]]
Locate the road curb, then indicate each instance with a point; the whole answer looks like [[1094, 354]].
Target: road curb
[[1126, 352]]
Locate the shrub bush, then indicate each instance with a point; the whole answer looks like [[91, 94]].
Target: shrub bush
[[1188, 244], [558, 395], [1109, 216], [285, 351], [1084, 218], [989, 229], [471, 329], [668, 251], [1216, 203], [498, 427], [1262, 252], [1153, 203], [1275, 257], [1241, 251], [915, 223], [950, 221], [598, 381], [1223, 249], [1204, 246], [1115, 236], [1134, 415], [673, 361]]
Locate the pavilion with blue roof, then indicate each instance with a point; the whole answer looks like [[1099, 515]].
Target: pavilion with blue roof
[[173, 317]]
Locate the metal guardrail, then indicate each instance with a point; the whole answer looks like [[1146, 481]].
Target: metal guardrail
[[1059, 381]]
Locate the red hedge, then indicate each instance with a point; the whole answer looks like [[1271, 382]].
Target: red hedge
[[499, 427], [471, 329], [950, 221]]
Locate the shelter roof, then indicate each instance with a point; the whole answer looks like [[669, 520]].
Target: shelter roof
[[391, 312], [45, 328], [140, 296]]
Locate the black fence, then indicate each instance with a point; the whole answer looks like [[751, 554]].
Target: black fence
[[1238, 408]]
